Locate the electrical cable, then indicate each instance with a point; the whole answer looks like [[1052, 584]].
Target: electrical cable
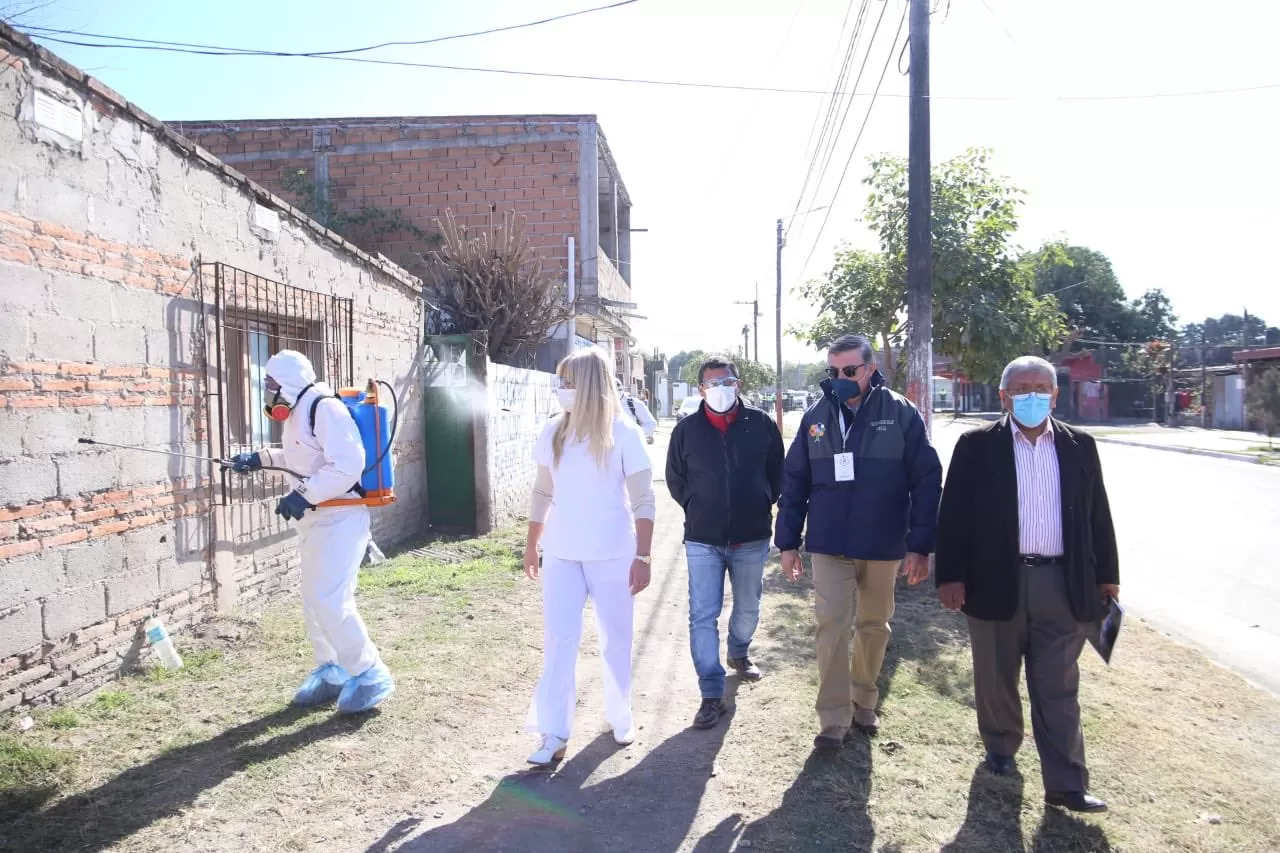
[[215, 50], [861, 70], [853, 150], [820, 144], [732, 87]]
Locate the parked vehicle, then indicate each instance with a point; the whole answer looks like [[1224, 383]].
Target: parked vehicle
[[688, 407]]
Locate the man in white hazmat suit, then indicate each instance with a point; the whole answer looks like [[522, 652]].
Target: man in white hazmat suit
[[637, 409], [330, 460]]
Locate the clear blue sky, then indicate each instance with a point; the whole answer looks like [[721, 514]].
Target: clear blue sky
[[1182, 193]]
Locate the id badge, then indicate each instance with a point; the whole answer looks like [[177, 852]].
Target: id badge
[[844, 467]]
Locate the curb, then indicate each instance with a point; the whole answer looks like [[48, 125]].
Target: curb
[[1190, 451]]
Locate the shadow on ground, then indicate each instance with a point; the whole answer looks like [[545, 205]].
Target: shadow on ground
[[825, 809], [169, 783], [648, 809]]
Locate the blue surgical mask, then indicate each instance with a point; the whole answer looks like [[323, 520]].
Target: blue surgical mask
[[845, 389], [1030, 410]]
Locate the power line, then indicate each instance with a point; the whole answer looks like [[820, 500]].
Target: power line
[[853, 150], [731, 87], [215, 50], [822, 174], [820, 145]]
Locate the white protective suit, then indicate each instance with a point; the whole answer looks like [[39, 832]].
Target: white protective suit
[[331, 540], [639, 412]]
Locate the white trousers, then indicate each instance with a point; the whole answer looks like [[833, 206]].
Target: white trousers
[[565, 587], [332, 544]]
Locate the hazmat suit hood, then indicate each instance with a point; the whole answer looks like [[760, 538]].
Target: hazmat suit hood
[[293, 371]]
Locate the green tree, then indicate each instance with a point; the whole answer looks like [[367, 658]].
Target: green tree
[[685, 365], [1086, 289], [858, 296], [986, 310], [754, 375], [1262, 401], [1153, 317], [1152, 362]]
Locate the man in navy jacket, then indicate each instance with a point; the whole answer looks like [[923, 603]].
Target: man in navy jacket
[[861, 470]]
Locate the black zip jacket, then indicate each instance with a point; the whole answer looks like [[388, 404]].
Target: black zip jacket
[[727, 483]]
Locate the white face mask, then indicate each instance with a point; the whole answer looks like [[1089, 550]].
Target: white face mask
[[721, 398], [566, 397]]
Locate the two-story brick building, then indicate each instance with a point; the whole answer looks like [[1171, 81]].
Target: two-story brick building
[[557, 171]]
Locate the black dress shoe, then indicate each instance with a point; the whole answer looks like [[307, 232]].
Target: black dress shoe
[[1000, 765], [709, 713], [1076, 801], [746, 670]]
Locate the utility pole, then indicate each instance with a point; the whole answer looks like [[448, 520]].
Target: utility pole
[[1204, 381], [919, 222], [746, 334], [777, 396], [755, 319]]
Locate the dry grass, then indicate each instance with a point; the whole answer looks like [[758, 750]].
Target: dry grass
[[1172, 741], [212, 759]]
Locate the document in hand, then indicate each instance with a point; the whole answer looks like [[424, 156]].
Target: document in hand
[[1104, 634]]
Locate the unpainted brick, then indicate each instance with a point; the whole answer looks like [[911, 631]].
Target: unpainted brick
[[27, 676], [31, 577], [125, 592], [94, 561], [35, 691], [20, 630]]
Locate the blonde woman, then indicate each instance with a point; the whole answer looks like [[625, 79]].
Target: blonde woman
[[593, 511]]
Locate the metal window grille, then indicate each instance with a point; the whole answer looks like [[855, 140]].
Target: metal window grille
[[254, 318]]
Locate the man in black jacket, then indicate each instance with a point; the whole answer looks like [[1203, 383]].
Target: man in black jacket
[[724, 467], [1026, 548]]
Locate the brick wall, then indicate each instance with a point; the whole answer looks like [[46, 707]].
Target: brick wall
[[105, 217], [528, 398], [476, 167]]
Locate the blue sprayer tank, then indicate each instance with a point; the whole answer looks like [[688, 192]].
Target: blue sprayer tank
[[374, 421]]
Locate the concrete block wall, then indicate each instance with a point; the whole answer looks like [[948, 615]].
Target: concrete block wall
[[478, 167], [520, 402], [105, 216]]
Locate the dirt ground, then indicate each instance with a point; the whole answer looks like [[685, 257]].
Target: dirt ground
[[212, 759]]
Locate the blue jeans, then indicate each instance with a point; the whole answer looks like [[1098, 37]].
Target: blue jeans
[[707, 567]]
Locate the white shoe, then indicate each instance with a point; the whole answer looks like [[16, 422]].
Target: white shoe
[[551, 751], [626, 737]]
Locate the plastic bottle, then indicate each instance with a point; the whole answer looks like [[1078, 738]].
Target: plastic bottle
[[162, 643]]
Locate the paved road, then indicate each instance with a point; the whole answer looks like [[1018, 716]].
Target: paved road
[[1194, 560], [1193, 534]]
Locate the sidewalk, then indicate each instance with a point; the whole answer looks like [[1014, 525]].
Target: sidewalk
[[1221, 443]]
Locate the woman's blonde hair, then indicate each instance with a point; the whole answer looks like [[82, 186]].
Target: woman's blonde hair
[[595, 404]]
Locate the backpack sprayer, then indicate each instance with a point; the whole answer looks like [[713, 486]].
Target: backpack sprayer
[[377, 431]]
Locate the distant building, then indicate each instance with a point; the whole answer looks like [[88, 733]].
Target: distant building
[[557, 171]]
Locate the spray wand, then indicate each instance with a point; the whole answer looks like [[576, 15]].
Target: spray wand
[[221, 463]]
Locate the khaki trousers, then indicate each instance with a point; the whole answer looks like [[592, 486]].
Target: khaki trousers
[[857, 596]]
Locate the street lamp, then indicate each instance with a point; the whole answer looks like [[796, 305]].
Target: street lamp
[[777, 402]]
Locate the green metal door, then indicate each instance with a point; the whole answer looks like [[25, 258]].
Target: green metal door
[[450, 433]]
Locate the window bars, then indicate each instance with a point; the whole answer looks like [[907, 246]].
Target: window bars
[[254, 318]]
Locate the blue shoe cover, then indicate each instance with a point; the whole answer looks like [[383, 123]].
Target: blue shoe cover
[[324, 684], [366, 690]]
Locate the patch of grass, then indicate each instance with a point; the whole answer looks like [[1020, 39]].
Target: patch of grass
[[199, 664], [109, 702], [497, 559], [62, 719], [30, 773]]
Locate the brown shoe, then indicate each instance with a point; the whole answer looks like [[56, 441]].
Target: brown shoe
[[830, 739], [865, 718]]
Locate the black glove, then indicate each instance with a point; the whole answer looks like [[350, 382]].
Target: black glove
[[292, 506], [243, 463]]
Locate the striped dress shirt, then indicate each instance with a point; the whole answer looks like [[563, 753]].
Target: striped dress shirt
[[1039, 493]]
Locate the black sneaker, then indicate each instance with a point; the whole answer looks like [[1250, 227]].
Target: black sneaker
[[746, 670], [709, 714]]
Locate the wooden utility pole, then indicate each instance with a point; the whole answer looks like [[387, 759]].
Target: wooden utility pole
[[755, 319], [777, 396], [1204, 380], [919, 222]]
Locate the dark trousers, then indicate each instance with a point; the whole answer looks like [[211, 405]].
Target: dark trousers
[[1044, 632]]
